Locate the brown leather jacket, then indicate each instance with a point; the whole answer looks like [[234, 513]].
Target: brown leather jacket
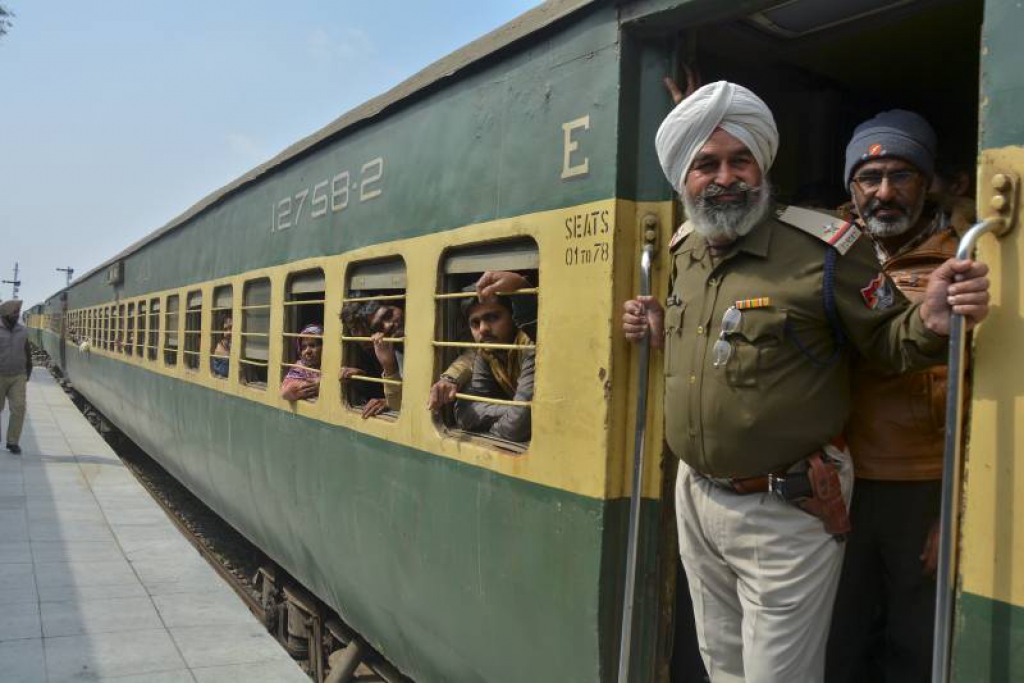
[[896, 427]]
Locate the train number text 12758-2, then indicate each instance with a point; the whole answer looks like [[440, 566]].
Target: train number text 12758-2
[[330, 195]]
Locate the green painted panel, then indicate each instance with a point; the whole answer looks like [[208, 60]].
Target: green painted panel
[[644, 104], [454, 572], [989, 641], [486, 145], [1002, 78]]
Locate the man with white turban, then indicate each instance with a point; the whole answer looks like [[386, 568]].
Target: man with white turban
[[765, 313]]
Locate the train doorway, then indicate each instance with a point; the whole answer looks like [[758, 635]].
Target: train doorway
[[823, 68]]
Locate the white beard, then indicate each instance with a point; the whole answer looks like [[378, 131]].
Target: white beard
[[728, 223], [893, 228]]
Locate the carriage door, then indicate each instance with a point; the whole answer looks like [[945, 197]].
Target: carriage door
[[988, 572]]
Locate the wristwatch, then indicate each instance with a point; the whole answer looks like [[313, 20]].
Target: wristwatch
[[448, 378]]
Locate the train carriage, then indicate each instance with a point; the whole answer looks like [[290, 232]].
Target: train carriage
[[468, 558]]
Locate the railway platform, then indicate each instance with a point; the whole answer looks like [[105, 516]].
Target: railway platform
[[96, 583]]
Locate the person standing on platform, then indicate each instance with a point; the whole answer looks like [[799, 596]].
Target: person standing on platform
[[766, 311], [15, 369]]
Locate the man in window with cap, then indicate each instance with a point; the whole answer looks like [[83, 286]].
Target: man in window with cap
[[15, 368], [896, 425], [765, 313]]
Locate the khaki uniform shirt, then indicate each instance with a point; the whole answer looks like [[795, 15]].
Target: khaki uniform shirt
[[771, 405]]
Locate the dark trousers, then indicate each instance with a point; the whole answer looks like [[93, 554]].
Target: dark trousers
[[884, 612]]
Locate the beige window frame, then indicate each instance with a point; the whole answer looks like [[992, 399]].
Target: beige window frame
[[172, 339], [459, 265], [129, 334], [222, 309], [193, 332], [141, 334], [153, 330], [306, 283], [254, 334], [384, 278]]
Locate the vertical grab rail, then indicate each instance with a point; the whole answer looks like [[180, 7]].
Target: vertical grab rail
[[625, 643], [951, 471]]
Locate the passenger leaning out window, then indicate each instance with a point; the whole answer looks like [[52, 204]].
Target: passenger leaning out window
[[497, 373], [219, 362], [303, 379], [380, 322]]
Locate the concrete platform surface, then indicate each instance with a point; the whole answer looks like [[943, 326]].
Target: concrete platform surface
[[96, 584]]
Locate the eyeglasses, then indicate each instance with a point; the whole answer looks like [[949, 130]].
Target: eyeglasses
[[871, 181], [722, 350]]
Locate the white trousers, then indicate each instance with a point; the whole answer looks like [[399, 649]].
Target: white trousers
[[763, 576]]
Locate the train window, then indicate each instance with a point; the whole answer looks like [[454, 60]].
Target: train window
[[129, 334], [171, 331], [140, 337], [121, 329], [193, 329], [105, 327], [485, 350], [303, 336], [374, 304], [255, 334], [153, 333], [220, 331]]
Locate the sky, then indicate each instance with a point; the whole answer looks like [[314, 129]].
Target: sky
[[118, 115]]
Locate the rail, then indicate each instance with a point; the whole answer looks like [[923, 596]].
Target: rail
[[639, 442], [951, 461]]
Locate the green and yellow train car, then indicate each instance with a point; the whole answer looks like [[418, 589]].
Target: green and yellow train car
[[464, 558]]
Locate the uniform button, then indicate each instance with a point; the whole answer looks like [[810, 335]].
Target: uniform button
[[700, 329], [712, 282], [693, 379]]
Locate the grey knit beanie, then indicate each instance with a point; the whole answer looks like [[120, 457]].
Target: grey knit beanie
[[896, 133]]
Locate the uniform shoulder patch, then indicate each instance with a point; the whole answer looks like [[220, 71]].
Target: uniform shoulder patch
[[680, 235], [838, 233], [878, 294]]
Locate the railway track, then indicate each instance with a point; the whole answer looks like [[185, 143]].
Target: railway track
[[327, 649]]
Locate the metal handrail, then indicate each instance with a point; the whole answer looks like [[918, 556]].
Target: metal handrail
[[639, 440], [951, 458]]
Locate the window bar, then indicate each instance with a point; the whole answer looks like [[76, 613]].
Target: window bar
[[496, 401], [466, 295], [393, 340], [375, 380], [361, 299], [475, 345], [299, 365], [301, 302]]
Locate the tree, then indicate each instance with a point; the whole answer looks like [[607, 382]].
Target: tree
[[5, 20]]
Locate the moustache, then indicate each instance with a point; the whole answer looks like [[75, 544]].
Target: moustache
[[877, 205]]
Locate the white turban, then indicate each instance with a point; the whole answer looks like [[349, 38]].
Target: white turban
[[724, 105]]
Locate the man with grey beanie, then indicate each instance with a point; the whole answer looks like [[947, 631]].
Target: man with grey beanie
[[895, 430]]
